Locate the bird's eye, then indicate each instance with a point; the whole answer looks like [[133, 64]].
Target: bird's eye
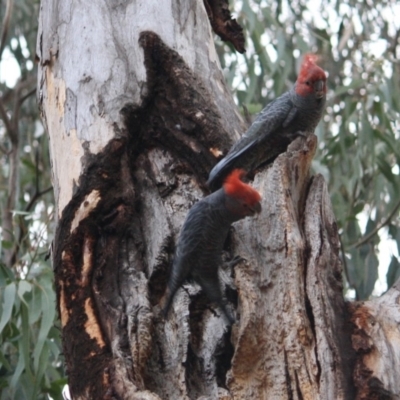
[[308, 83]]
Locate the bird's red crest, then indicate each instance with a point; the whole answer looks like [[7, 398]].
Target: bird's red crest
[[309, 67], [309, 72], [235, 187], [309, 60]]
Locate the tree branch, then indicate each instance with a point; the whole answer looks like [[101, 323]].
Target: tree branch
[[378, 228], [4, 150], [36, 196], [7, 222], [22, 85], [6, 120], [6, 25], [345, 266], [29, 94]]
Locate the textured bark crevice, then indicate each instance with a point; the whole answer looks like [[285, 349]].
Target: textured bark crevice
[[273, 279], [177, 115], [115, 241], [86, 256], [324, 289], [376, 338], [291, 353]]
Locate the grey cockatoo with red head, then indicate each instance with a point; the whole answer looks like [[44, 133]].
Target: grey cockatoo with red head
[[296, 112], [201, 240]]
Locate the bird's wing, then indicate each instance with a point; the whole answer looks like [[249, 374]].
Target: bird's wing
[[191, 243], [225, 165], [188, 248], [275, 116]]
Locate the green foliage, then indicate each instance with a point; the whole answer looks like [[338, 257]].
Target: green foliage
[[31, 366], [358, 154]]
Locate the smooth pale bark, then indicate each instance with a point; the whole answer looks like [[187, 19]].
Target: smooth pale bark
[[137, 112], [92, 66]]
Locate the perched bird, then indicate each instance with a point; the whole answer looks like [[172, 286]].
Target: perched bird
[[202, 237], [295, 113]]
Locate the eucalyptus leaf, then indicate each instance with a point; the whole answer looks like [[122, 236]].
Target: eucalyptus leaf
[[7, 304], [393, 272], [48, 313]]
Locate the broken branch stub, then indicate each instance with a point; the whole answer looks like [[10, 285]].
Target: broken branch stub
[[226, 27]]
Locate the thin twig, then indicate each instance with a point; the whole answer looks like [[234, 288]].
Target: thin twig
[[6, 119], [37, 188], [4, 150], [29, 94], [11, 124], [22, 230], [345, 266], [36, 196], [38, 193], [35, 254], [6, 94], [7, 217], [6, 25], [366, 238], [21, 86]]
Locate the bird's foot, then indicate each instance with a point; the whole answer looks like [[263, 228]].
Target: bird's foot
[[235, 261], [300, 134]]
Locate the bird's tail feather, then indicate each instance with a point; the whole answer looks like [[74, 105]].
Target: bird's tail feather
[[224, 166]]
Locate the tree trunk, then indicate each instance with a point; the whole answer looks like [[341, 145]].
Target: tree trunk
[[137, 113]]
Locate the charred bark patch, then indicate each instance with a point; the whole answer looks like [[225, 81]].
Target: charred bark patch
[[168, 149], [198, 305], [88, 259], [223, 359], [177, 114], [194, 370], [224, 26], [158, 280], [172, 140]]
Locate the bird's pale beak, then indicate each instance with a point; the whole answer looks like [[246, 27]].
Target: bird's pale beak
[[256, 208], [319, 89]]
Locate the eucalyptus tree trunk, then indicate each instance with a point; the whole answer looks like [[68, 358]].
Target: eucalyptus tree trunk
[[137, 113]]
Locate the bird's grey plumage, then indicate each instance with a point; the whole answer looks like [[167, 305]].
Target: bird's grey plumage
[[277, 125], [201, 241]]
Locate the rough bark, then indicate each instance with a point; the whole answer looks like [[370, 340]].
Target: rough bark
[[376, 339], [92, 66], [122, 193], [292, 340], [224, 25], [136, 120]]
